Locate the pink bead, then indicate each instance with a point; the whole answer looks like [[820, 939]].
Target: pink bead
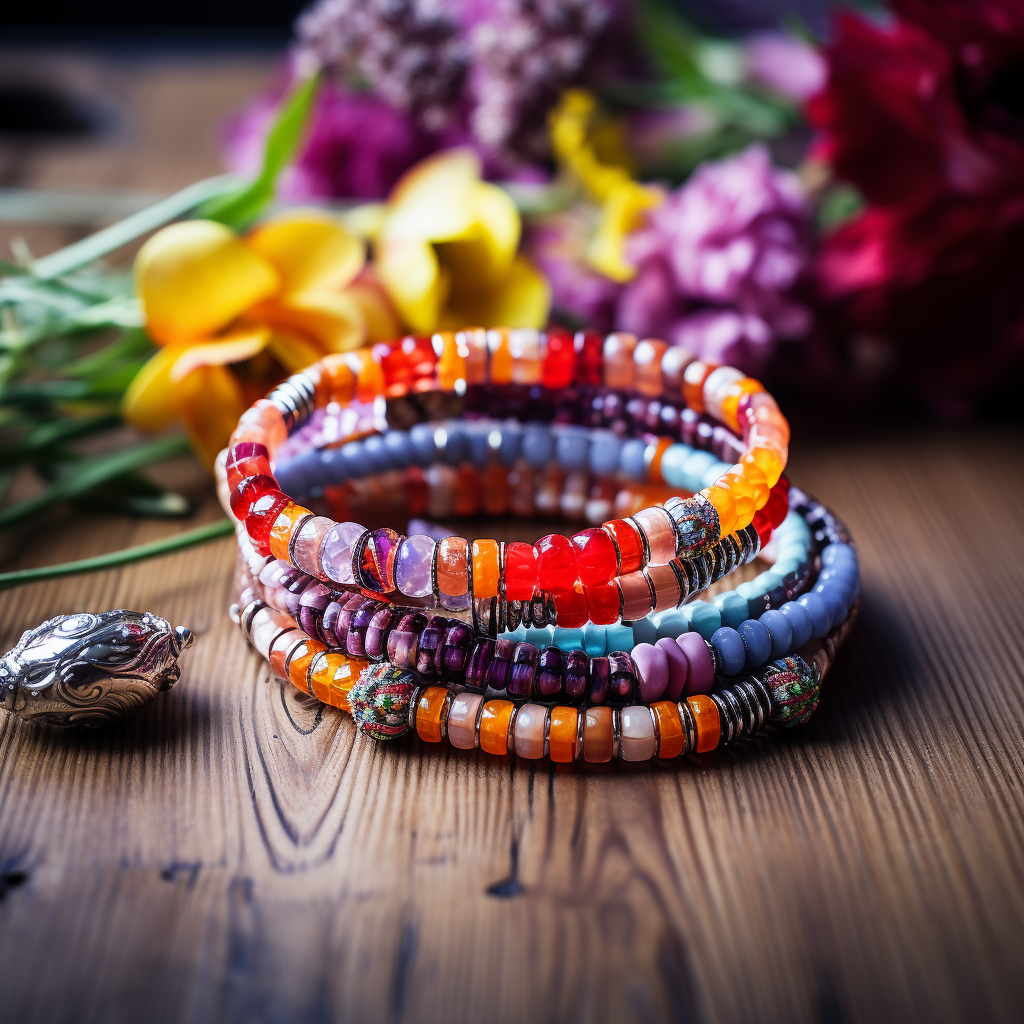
[[306, 546], [678, 667], [638, 740], [636, 596], [656, 525], [701, 674], [462, 720], [652, 666], [667, 588], [529, 731]]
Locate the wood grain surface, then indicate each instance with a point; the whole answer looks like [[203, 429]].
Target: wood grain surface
[[237, 853]]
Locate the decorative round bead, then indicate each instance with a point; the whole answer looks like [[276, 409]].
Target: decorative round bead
[[562, 731], [795, 688], [494, 723], [462, 720], [598, 738], [379, 701], [529, 730], [707, 722], [671, 735]]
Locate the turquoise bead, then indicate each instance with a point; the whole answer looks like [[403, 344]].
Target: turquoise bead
[[619, 638], [733, 608], [692, 470], [645, 631], [705, 619], [672, 464], [595, 642], [672, 623], [568, 639]]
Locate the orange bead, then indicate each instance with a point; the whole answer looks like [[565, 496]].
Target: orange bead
[[663, 445], [346, 674], [693, 383], [320, 674], [671, 737], [647, 358], [709, 725], [496, 491], [724, 506], [467, 491], [768, 460], [730, 403], [562, 734], [598, 739], [451, 364], [473, 346], [452, 574], [369, 374], [429, 711], [757, 482], [300, 659], [501, 356], [485, 568], [341, 379], [281, 648], [618, 360], [742, 496], [494, 723], [288, 520]]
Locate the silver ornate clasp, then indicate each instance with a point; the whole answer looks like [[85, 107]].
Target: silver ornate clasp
[[88, 669]]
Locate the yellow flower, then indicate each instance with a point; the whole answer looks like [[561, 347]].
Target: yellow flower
[[233, 315], [623, 200], [446, 250]]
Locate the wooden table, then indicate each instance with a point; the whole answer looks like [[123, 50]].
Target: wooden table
[[237, 853]]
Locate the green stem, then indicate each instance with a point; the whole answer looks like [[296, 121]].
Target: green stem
[[201, 535]]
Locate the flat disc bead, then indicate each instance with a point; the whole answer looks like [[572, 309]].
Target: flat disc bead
[[653, 670], [627, 541], [520, 571], [529, 731], [336, 551], [701, 667], [638, 741], [413, 564], [485, 568], [451, 573], [656, 525], [556, 563]]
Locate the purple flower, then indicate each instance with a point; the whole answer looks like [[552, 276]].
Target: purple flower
[[787, 66], [358, 145], [730, 249]]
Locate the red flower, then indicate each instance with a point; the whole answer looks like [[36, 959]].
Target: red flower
[[926, 118]]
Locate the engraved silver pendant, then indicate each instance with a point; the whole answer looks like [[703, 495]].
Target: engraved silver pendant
[[88, 669]]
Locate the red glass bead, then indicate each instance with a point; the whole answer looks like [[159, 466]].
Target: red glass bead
[[261, 518], [763, 526], [559, 361], [570, 608], [603, 604], [520, 571], [595, 557], [247, 491], [248, 458], [589, 346], [556, 563], [627, 540], [776, 508]]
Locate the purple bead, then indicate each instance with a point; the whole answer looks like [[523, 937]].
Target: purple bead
[[577, 672], [623, 676], [430, 641], [550, 667], [412, 566], [453, 652], [479, 659], [404, 639], [600, 679], [373, 560], [336, 551], [524, 668], [355, 642], [348, 611], [377, 632], [312, 603], [327, 625], [652, 670], [500, 668]]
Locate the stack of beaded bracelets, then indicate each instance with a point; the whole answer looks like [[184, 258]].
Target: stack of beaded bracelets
[[653, 561]]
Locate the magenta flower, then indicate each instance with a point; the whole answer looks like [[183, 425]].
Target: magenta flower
[[786, 65], [721, 262]]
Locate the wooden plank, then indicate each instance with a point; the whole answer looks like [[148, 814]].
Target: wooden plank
[[236, 852]]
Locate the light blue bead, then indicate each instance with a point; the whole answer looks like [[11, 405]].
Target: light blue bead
[[838, 553], [541, 636], [511, 442], [632, 461], [400, 449], [538, 446], [595, 640], [733, 608], [422, 438], [572, 448], [781, 630], [672, 624], [568, 639], [845, 580], [728, 645], [605, 448], [757, 641], [753, 595], [800, 621], [834, 601], [619, 638], [479, 449], [821, 620], [644, 631], [693, 470], [518, 635], [784, 566], [793, 549], [705, 619], [672, 463], [768, 581]]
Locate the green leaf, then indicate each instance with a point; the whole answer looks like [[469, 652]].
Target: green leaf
[[78, 254], [90, 473], [44, 435], [133, 345], [240, 208]]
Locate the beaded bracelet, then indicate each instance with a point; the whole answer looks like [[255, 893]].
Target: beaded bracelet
[[680, 532]]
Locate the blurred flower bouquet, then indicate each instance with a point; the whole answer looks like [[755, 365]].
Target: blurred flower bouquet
[[849, 213]]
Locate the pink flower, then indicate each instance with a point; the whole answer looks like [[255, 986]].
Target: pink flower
[[730, 248], [785, 65]]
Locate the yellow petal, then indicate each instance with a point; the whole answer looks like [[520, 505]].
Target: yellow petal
[[331, 319], [380, 315], [293, 351], [211, 401], [483, 258], [415, 281], [150, 402], [435, 199], [364, 220], [232, 348], [310, 249], [522, 299], [622, 213], [197, 276]]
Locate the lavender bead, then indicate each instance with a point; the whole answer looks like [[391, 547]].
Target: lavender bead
[[348, 611], [336, 551], [377, 632], [524, 668], [355, 643], [577, 672], [412, 565], [500, 668], [312, 603], [550, 667], [404, 639], [600, 680]]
